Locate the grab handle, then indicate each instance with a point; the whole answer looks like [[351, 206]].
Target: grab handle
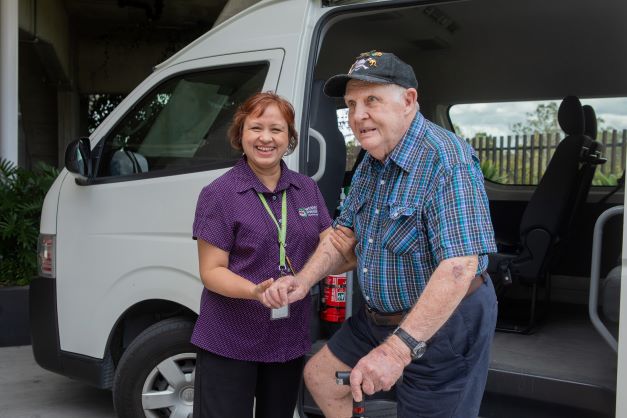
[[322, 164], [595, 273]]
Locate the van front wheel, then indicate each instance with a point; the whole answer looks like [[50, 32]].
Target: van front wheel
[[155, 376]]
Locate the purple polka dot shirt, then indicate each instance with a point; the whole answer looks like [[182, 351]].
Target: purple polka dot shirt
[[230, 216]]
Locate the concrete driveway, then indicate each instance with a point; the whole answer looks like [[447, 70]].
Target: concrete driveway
[[28, 391]]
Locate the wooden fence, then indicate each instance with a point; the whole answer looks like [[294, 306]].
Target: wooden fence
[[522, 159]]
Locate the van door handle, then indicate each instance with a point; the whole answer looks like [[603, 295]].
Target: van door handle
[[322, 164]]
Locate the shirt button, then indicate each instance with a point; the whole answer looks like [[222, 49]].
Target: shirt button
[[370, 240], [376, 211], [382, 182], [273, 197], [368, 298], [365, 270]]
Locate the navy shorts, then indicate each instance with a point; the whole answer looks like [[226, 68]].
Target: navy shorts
[[449, 380]]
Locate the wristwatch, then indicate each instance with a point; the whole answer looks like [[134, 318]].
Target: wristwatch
[[416, 348]]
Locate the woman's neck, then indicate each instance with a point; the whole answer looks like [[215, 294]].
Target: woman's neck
[[269, 177]]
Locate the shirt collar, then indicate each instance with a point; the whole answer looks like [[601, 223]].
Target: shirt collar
[[405, 154], [247, 179]]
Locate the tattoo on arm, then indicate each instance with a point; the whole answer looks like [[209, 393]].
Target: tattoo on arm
[[458, 272]]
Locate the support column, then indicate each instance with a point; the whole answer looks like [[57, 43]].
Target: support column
[[8, 79]]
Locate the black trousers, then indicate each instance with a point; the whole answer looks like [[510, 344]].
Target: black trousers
[[227, 388]]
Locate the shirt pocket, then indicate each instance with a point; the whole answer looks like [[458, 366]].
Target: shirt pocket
[[400, 229]]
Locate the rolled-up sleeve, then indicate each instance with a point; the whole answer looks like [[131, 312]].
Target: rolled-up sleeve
[[458, 218]]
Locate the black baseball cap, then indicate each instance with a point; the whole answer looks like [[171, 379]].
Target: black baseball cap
[[373, 67]]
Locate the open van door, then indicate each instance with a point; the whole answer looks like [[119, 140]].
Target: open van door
[[479, 53]]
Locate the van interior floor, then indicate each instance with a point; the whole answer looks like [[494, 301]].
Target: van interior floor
[[564, 360]]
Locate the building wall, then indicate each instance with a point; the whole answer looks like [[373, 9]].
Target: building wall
[[72, 48]]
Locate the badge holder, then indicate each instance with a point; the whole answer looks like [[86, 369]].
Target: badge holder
[[284, 311], [280, 313]]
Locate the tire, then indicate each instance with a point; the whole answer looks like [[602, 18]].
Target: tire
[[155, 376]]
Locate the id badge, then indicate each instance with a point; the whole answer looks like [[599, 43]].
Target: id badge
[[280, 313]]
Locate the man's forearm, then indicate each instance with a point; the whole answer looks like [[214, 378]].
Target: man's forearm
[[446, 289], [324, 261]]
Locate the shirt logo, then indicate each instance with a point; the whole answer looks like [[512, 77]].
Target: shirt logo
[[308, 211]]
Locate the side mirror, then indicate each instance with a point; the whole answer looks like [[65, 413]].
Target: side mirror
[[78, 158]]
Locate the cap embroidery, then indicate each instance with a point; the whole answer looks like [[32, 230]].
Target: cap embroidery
[[365, 58]]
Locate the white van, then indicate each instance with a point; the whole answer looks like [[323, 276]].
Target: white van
[[119, 291]]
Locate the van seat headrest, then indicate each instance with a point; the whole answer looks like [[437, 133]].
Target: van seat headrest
[[590, 118], [570, 116]]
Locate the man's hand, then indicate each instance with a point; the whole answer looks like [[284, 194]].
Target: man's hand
[[380, 369], [343, 239], [284, 290]]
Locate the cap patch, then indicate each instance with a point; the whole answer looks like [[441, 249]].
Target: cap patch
[[364, 58]]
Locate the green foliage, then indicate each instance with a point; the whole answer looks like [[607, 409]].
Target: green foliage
[[542, 120], [21, 197], [352, 150], [98, 108], [601, 179], [491, 172]]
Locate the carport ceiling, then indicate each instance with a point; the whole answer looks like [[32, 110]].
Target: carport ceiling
[[159, 14]]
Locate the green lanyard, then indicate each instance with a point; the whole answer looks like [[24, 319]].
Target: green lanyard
[[281, 229]]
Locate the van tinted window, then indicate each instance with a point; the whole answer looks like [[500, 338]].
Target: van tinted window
[[515, 140], [181, 124]]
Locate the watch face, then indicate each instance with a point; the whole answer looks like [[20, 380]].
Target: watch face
[[419, 350], [416, 348]]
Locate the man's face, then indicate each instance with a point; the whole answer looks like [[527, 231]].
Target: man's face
[[378, 115]]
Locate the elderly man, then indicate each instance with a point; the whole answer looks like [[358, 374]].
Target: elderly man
[[419, 213]]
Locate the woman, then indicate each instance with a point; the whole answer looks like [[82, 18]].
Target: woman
[[243, 353]]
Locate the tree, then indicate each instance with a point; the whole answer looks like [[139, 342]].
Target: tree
[[543, 120], [99, 106]]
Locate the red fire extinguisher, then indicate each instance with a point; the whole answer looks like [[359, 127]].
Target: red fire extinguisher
[[333, 307]]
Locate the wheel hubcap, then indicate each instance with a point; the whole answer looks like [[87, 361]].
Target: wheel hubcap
[[169, 388]]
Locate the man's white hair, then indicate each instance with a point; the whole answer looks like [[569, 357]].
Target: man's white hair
[[400, 90]]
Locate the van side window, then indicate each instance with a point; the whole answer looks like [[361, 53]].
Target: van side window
[[516, 140], [352, 145], [181, 125]]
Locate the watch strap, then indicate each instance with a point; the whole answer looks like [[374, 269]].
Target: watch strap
[[416, 348]]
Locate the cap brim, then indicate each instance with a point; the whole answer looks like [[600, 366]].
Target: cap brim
[[336, 85]]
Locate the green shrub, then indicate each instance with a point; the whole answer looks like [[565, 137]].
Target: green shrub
[[22, 194], [491, 172], [601, 179]]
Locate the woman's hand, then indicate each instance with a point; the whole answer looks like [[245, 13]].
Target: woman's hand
[[216, 276], [260, 289]]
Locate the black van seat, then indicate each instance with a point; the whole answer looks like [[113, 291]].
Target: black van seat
[[323, 120], [550, 213]]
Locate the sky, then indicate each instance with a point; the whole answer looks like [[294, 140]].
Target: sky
[[497, 118]]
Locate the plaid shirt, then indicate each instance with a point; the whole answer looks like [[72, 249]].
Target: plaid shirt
[[425, 204]]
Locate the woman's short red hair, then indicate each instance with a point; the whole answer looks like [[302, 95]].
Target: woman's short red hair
[[255, 106]]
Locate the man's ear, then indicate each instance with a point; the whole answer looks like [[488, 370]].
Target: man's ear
[[410, 97]]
